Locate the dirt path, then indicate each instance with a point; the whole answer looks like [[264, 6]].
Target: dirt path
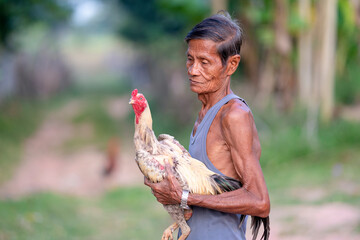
[[331, 221], [45, 167]]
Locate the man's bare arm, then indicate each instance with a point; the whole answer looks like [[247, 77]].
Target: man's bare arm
[[252, 199]]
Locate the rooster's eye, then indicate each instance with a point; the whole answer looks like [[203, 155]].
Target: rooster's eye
[[141, 98]]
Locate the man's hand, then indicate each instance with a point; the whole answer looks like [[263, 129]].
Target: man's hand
[[168, 191]]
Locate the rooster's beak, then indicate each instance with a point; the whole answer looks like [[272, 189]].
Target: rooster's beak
[[131, 101]]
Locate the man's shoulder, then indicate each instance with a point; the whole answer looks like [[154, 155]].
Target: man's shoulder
[[235, 111]]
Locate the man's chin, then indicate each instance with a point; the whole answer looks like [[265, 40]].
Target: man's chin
[[196, 87], [196, 90]]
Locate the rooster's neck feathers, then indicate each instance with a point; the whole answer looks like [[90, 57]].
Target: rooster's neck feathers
[[144, 136], [144, 120]]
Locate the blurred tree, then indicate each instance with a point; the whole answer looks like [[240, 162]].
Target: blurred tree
[[305, 52], [279, 42], [318, 44], [16, 15], [288, 53], [347, 29], [348, 52], [268, 49], [149, 20], [283, 46], [39, 75], [327, 46]]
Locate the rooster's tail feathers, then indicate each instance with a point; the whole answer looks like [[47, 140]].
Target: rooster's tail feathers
[[255, 226], [226, 184], [242, 219]]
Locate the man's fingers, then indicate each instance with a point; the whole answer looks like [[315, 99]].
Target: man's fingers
[[147, 182]]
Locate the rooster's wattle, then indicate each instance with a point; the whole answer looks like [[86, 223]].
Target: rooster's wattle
[[151, 155]]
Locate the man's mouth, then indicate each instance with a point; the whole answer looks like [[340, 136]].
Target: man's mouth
[[194, 82]]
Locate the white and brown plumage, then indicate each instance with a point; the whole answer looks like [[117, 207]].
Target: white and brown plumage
[[151, 155]]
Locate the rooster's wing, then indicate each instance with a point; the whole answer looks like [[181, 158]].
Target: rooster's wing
[[152, 166], [172, 143]]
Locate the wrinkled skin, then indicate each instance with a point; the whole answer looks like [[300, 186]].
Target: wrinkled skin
[[232, 143]]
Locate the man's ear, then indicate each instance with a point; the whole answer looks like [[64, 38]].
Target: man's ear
[[232, 64]]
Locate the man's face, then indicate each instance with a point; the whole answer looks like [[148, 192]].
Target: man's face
[[205, 70]]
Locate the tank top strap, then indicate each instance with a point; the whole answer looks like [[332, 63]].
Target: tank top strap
[[205, 124], [215, 109]]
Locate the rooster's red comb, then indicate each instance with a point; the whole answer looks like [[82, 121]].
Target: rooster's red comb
[[134, 93]]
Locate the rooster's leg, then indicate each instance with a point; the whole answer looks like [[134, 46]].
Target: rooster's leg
[[169, 231], [177, 214]]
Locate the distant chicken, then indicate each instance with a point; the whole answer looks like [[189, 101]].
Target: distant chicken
[[151, 155], [112, 153]]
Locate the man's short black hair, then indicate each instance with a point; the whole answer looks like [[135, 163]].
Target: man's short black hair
[[219, 28]]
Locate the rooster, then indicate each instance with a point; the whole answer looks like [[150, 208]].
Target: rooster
[[153, 153]]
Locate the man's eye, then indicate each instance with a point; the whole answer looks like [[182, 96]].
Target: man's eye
[[204, 62]]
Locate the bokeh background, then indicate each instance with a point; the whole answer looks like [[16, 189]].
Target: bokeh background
[[67, 68]]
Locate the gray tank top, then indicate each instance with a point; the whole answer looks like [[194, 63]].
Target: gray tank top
[[206, 223]]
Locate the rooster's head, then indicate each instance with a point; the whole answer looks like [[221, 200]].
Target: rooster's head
[[138, 103]]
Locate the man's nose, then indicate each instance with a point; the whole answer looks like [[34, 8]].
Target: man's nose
[[193, 69]]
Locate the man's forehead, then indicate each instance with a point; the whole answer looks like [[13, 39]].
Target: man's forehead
[[203, 46]]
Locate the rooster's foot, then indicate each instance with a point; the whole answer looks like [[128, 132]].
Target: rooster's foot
[[169, 231]]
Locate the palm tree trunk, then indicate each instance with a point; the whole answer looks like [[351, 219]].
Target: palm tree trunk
[[327, 64], [305, 53], [283, 45]]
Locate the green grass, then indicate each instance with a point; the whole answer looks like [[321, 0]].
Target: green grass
[[18, 120], [290, 162], [128, 213], [142, 217], [43, 216]]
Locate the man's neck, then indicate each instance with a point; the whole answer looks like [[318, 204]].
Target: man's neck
[[210, 99]]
